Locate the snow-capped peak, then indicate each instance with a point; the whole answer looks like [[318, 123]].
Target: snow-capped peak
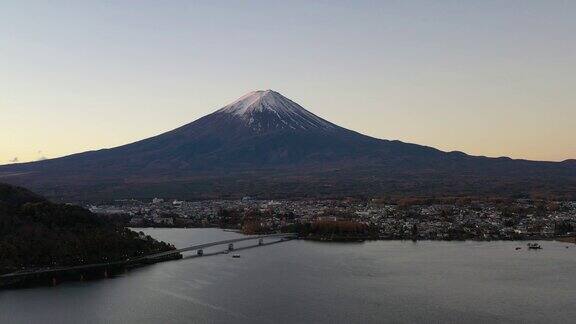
[[266, 109], [252, 101]]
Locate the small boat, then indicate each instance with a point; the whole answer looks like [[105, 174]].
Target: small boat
[[534, 246], [518, 248], [235, 256]]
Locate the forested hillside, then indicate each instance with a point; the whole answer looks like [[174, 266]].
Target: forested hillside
[[35, 233]]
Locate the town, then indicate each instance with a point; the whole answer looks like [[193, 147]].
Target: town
[[403, 219]]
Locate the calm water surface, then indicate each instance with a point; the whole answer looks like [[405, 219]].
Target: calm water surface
[[310, 282]]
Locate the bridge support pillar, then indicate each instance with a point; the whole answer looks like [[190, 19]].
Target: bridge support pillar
[[261, 241], [230, 247], [200, 252]]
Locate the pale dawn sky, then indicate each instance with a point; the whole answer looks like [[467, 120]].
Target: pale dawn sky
[[491, 78]]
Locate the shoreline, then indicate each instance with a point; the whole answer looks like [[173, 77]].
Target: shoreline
[[52, 277], [566, 239], [354, 239]]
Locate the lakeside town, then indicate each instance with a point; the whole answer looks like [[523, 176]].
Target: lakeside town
[[415, 219]]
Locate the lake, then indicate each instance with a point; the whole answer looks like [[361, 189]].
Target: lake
[[314, 282]]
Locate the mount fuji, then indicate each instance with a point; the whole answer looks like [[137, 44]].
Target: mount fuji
[[266, 145]]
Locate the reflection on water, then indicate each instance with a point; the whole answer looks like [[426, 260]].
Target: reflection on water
[[300, 281]]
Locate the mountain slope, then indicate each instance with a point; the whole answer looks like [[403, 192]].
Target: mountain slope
[[265, 144]]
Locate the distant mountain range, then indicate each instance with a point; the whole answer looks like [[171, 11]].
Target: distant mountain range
[[265, 145]]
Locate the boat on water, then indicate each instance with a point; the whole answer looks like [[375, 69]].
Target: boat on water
[[534, 246], [236, 256]]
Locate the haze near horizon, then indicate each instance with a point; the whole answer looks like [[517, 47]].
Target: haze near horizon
[[488, 78]]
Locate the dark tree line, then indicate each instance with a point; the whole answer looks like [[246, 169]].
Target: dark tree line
[[564, 227], [35, 233], [333, 230]]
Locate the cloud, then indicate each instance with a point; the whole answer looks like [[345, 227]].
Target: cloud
[[14, 160]]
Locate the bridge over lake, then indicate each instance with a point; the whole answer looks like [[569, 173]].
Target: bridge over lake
[[200, 248], [16, 277]]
